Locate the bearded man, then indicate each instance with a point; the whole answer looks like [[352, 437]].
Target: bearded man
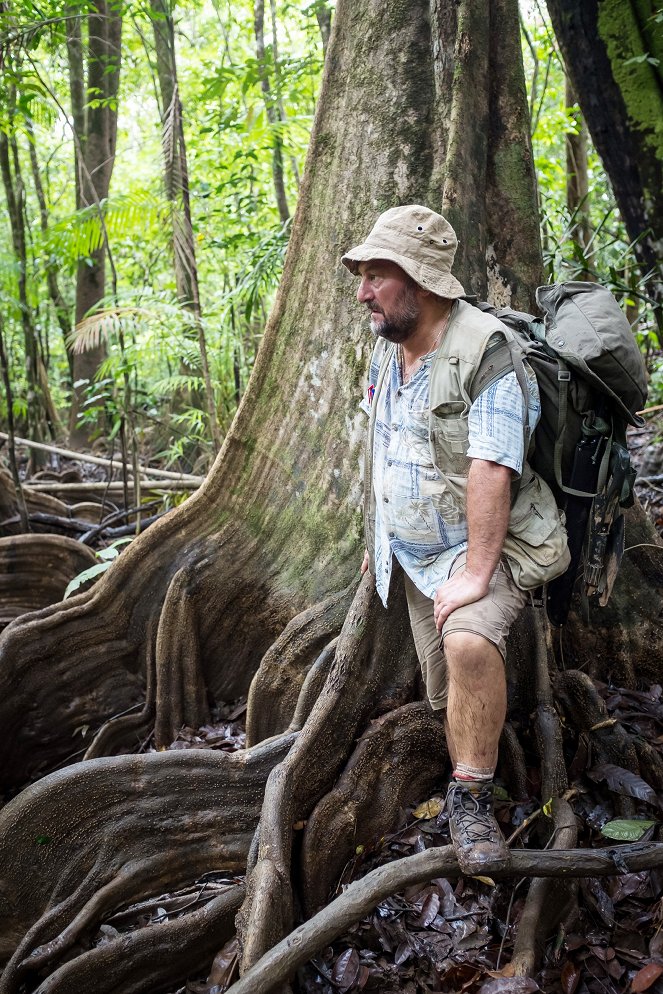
[[449, 493]]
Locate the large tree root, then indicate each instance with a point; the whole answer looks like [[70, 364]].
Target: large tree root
[[95, 837], [276, 685], [150, 957], [397, 760], [373, 667], [35, 571], [125, 731], [363, 895], [93, 647], [548, 900]]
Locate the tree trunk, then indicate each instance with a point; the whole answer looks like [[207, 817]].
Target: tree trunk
[[613, 53], [60, 306], [577, 180], [42, 418], [272, 111], [251, 585], [95, 131], [177, 190]]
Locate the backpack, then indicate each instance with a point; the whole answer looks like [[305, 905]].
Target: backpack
[[592, 382]]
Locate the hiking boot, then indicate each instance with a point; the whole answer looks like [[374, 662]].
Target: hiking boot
[[477, 840]]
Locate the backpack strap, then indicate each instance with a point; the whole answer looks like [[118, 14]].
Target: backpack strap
[[503, 356], [500, 358]]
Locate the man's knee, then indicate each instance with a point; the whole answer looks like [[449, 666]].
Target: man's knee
[[468, 652]]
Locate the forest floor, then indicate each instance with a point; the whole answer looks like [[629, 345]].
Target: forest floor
[[452, 938]]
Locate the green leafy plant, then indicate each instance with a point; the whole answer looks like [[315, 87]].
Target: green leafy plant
[[106, 556]]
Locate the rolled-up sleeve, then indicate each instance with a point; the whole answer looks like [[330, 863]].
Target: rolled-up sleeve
[[496, 421]]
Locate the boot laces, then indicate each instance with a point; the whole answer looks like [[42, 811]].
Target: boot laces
[[472, 814]]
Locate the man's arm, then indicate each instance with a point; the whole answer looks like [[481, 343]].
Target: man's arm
[[488, 507]]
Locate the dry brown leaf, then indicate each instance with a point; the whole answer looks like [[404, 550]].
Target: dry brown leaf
[[429, 809], [645, 977]]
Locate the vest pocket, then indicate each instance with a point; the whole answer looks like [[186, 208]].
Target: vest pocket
[[449, 437]]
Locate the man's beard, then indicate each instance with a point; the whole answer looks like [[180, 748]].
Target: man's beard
[[403, 320]]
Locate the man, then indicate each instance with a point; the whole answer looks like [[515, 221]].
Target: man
[[442, 470]]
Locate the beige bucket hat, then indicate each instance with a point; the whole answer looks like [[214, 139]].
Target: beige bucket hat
[[418, 240]]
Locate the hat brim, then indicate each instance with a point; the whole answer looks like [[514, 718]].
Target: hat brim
[[442, 284]]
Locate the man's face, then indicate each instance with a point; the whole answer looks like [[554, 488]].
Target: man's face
[[391, 297]]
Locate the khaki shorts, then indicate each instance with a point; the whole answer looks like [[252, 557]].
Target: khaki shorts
[[491, 617]]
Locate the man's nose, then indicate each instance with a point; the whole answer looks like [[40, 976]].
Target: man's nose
[[364, 291]]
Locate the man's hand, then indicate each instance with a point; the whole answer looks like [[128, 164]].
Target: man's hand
[[463, 588], [364, 566]]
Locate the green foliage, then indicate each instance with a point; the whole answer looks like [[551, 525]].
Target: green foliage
[[240, 242], [152, 377], [627, 829], [106, 556]]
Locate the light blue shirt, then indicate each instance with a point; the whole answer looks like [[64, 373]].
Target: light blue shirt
[[412, 520]]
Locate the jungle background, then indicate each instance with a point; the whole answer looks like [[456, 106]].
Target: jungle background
[[152, 157]]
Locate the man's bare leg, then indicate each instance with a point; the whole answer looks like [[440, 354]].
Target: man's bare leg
[[476, 707], [476, 711]]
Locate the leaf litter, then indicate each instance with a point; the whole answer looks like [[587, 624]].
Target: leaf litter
[[451, 937]]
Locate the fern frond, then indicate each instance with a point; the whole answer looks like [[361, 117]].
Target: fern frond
[[98, 327]]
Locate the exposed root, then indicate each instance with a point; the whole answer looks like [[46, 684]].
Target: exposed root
[[92, 838], [363, 895], [512, 763], [587, 712], [650, 762], [149, 957], [549, 901], [125, 729], [312, 686], [547, 727], [181, 693], [276, 685], [35, 571], [374, 666], [397, 760]]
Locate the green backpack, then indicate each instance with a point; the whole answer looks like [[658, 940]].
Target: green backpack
[[592, 382]]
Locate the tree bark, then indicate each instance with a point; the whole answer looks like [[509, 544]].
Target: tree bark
[[607, 48], [272, 111], [42, 417], [94, 83], [577, 180], [177, 190], [249, 575], [60, 306]]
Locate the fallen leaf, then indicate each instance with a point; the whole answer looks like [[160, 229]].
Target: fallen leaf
[[225, 965], [346, 969], [507, 971], [403, 953], [510, 985], [626, 829], [429, 910], [645, 977], [485, 880], [428, 809], [570, 977], [624, 782]]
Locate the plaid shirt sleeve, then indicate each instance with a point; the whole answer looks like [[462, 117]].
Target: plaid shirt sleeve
[[496, 421]]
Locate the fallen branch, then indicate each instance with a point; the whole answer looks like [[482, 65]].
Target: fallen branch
[[115, 487], [363, 895], [163, 474], [116, 516]]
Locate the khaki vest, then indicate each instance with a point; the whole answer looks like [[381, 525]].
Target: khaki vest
[[535, 545]]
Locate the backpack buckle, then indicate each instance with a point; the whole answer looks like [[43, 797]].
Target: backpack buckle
[[564, 375]]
